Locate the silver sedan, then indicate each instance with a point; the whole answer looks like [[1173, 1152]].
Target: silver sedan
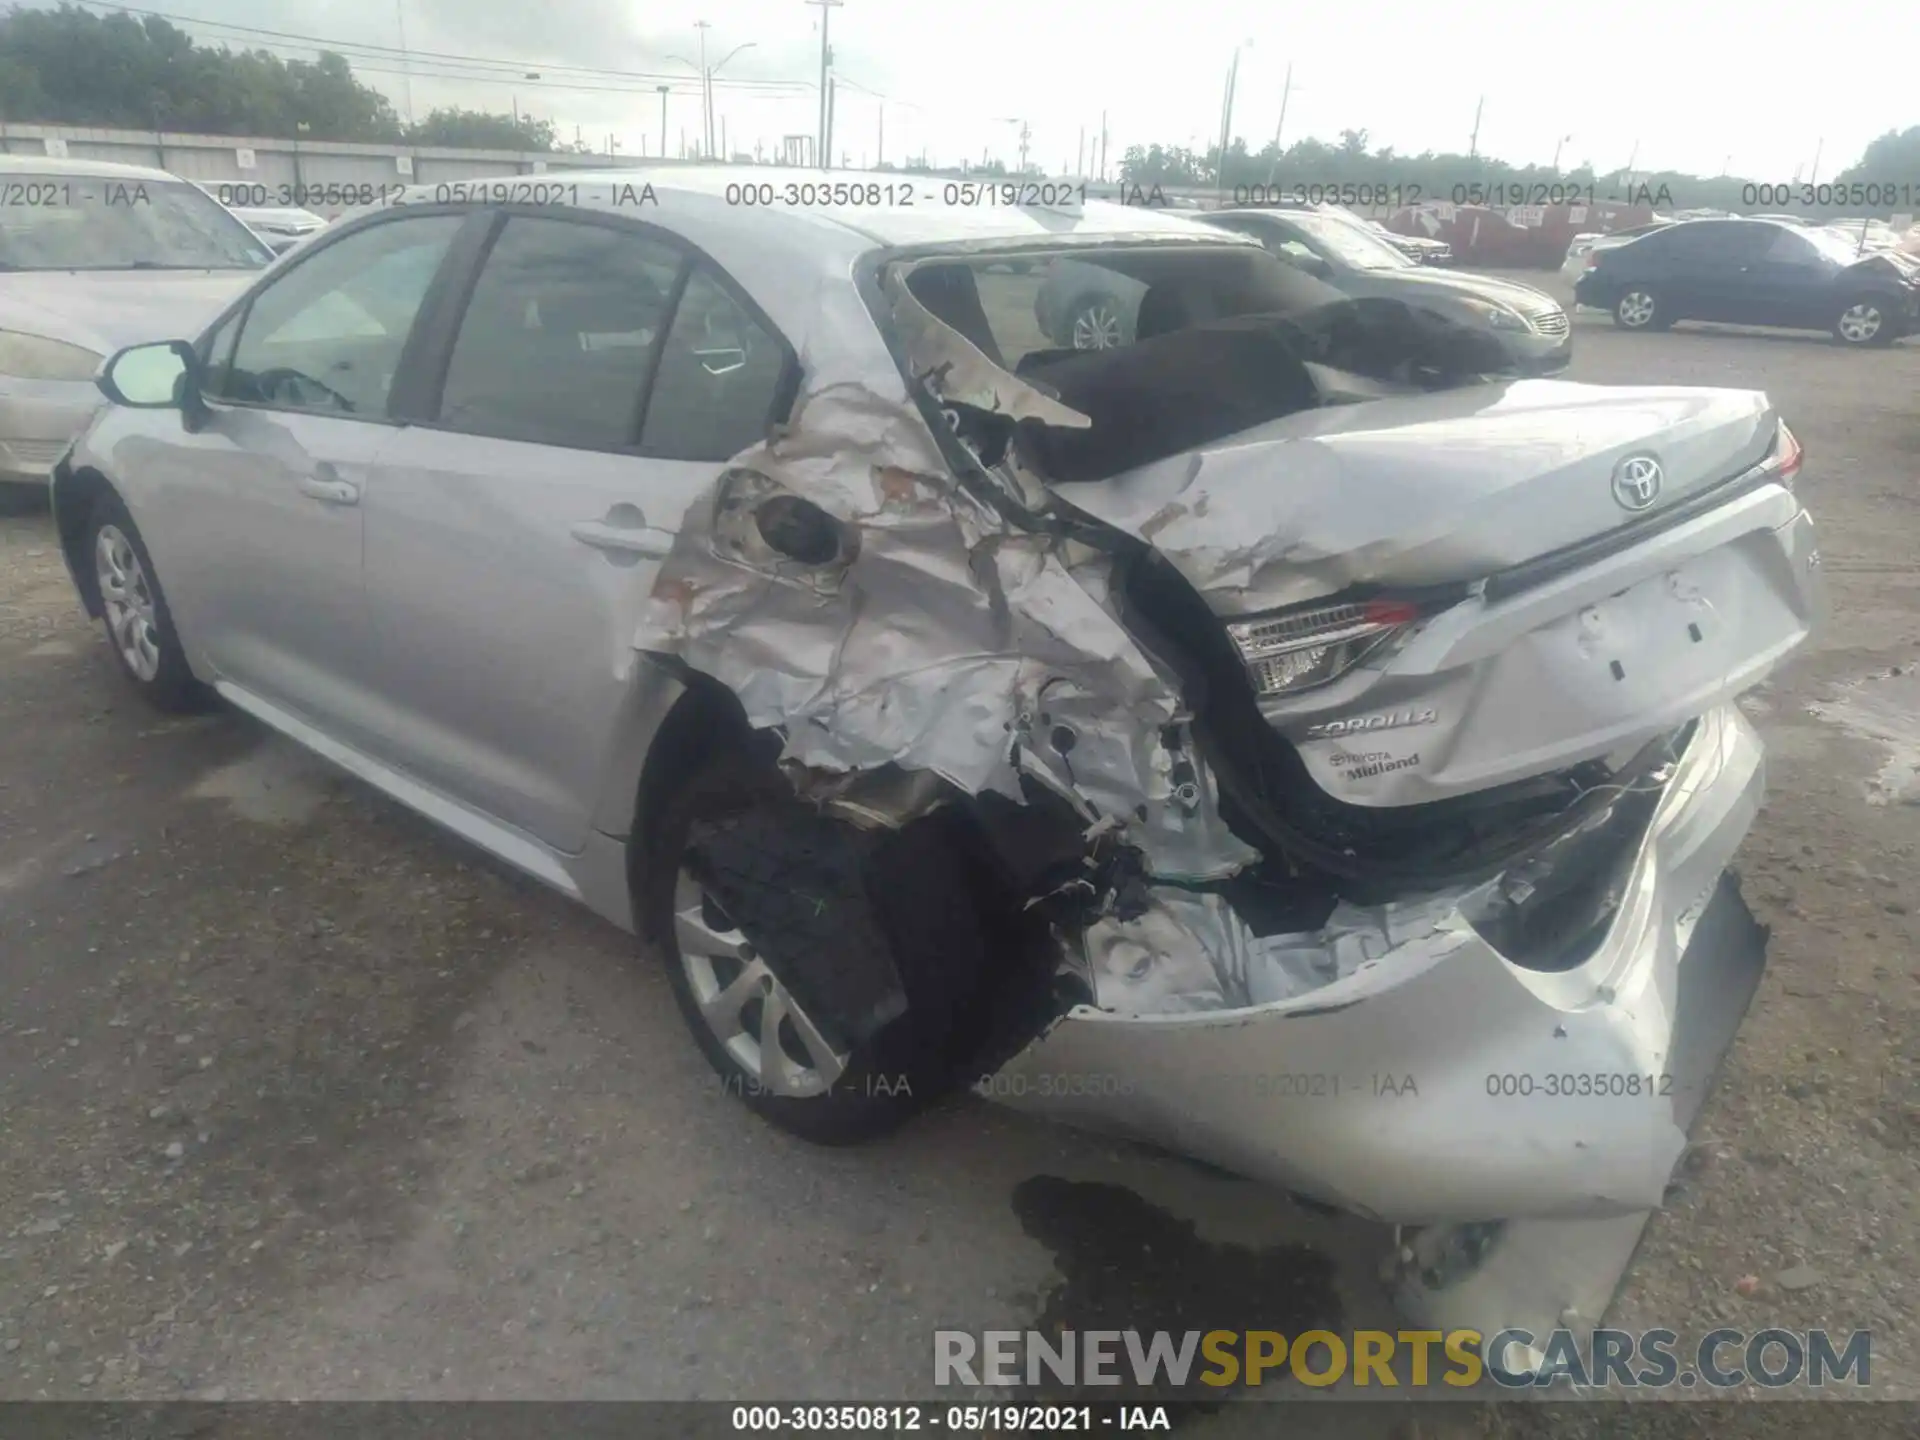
[[1283, 736]]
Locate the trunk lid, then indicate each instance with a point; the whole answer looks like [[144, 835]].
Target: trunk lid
[[1425, 489]]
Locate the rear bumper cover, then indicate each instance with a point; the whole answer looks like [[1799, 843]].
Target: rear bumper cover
[[1439, 1082]]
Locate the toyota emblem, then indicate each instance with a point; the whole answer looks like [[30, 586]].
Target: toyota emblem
[[1636, 482]]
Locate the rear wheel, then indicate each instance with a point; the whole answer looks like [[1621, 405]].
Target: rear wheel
[[1639, 308], [1864, 322], [1096, 323], [765, 1047], [140, 629]]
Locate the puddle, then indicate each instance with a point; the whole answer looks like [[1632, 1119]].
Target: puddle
[[1883, 708], [277, 784], [1127, 1264]]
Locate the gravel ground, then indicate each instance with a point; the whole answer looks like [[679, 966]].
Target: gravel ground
[[299, 1097]]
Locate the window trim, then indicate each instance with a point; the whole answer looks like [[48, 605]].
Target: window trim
[[242, 307], [436, 356]]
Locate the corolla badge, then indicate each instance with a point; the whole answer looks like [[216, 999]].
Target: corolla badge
[[1636, 482]]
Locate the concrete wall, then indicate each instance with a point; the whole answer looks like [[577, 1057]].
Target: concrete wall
[[287, 172]]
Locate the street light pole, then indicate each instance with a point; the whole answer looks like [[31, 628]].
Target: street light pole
[[706, 88]]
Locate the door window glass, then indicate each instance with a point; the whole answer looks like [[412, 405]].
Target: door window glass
[[327, 335], [720, 374], [557, 341]]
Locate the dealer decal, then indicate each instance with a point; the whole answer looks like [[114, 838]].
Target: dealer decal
[[1382, 766]]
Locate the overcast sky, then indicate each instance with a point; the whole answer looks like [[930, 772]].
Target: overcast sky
[[1696, 87]]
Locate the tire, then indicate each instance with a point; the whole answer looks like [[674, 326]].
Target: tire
[[140, 629], [1865, 323], [1097, 322], [1639, 307], [915, 890]]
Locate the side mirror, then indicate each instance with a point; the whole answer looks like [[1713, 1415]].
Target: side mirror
[[161, 376]]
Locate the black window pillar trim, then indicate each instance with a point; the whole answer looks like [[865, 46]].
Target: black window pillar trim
[[424, 360]]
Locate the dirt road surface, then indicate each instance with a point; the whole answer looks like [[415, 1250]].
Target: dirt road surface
[[299, 1097]]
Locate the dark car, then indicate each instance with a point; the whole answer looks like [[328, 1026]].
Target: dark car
[[1755, 272], [1087, 307]]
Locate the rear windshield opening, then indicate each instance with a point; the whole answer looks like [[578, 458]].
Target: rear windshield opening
[[1168, 349]]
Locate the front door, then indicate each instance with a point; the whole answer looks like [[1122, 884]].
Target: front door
[[263, 504], [513, 538]]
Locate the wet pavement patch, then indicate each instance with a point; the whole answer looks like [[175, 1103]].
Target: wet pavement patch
[[1127, 1264], [1883, 708]]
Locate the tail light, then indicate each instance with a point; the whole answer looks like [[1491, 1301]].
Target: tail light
[[1297, 650], [1784, 463]]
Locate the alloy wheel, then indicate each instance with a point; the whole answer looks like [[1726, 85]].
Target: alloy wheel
[[126, 594], [1636, 308], [757, 1022], [1860, 323], [1096, 327]]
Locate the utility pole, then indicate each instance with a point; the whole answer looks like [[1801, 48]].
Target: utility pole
[[706, 87], [1818, 146], [406, 64], [1286, 93], [663, 120], [833, 98], [880, 149], [1080, 153], [725, 153], [1556, 153], [1473, 144], [1103, 145], [1226, 120], [823, 148]]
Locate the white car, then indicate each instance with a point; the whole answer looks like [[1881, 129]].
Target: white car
[[1587, 242], [281, 227], [95, 257]]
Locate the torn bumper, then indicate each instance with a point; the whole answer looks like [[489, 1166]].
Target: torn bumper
[[1438, 1082]]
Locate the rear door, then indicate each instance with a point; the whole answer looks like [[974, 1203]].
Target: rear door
[[261, 507], [1793, 282], [595, 380]]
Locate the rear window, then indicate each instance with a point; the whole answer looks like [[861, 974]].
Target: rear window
[[1167, 349]]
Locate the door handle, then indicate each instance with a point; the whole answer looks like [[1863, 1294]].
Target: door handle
[[624, 539], [332, 491]]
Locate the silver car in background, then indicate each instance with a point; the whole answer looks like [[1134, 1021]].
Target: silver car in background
[[1270, 738], [94, 257]]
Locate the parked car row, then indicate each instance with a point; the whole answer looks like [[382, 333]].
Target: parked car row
[[1084, 306]]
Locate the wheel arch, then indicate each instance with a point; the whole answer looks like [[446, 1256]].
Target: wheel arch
[[675, 720], [75, 494]]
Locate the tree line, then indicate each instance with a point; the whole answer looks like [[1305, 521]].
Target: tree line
[[1885, 180], [71, 67]]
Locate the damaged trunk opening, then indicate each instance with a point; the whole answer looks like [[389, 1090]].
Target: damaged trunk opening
[[1347, 758]]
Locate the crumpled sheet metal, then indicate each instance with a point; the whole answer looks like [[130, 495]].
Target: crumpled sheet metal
[[947, 641], [1190, 951], [1309, 1093]]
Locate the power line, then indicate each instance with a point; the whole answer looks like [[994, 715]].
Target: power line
[[502, 69]]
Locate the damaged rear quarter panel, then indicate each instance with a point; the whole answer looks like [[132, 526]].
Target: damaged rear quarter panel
[[944, 638]]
